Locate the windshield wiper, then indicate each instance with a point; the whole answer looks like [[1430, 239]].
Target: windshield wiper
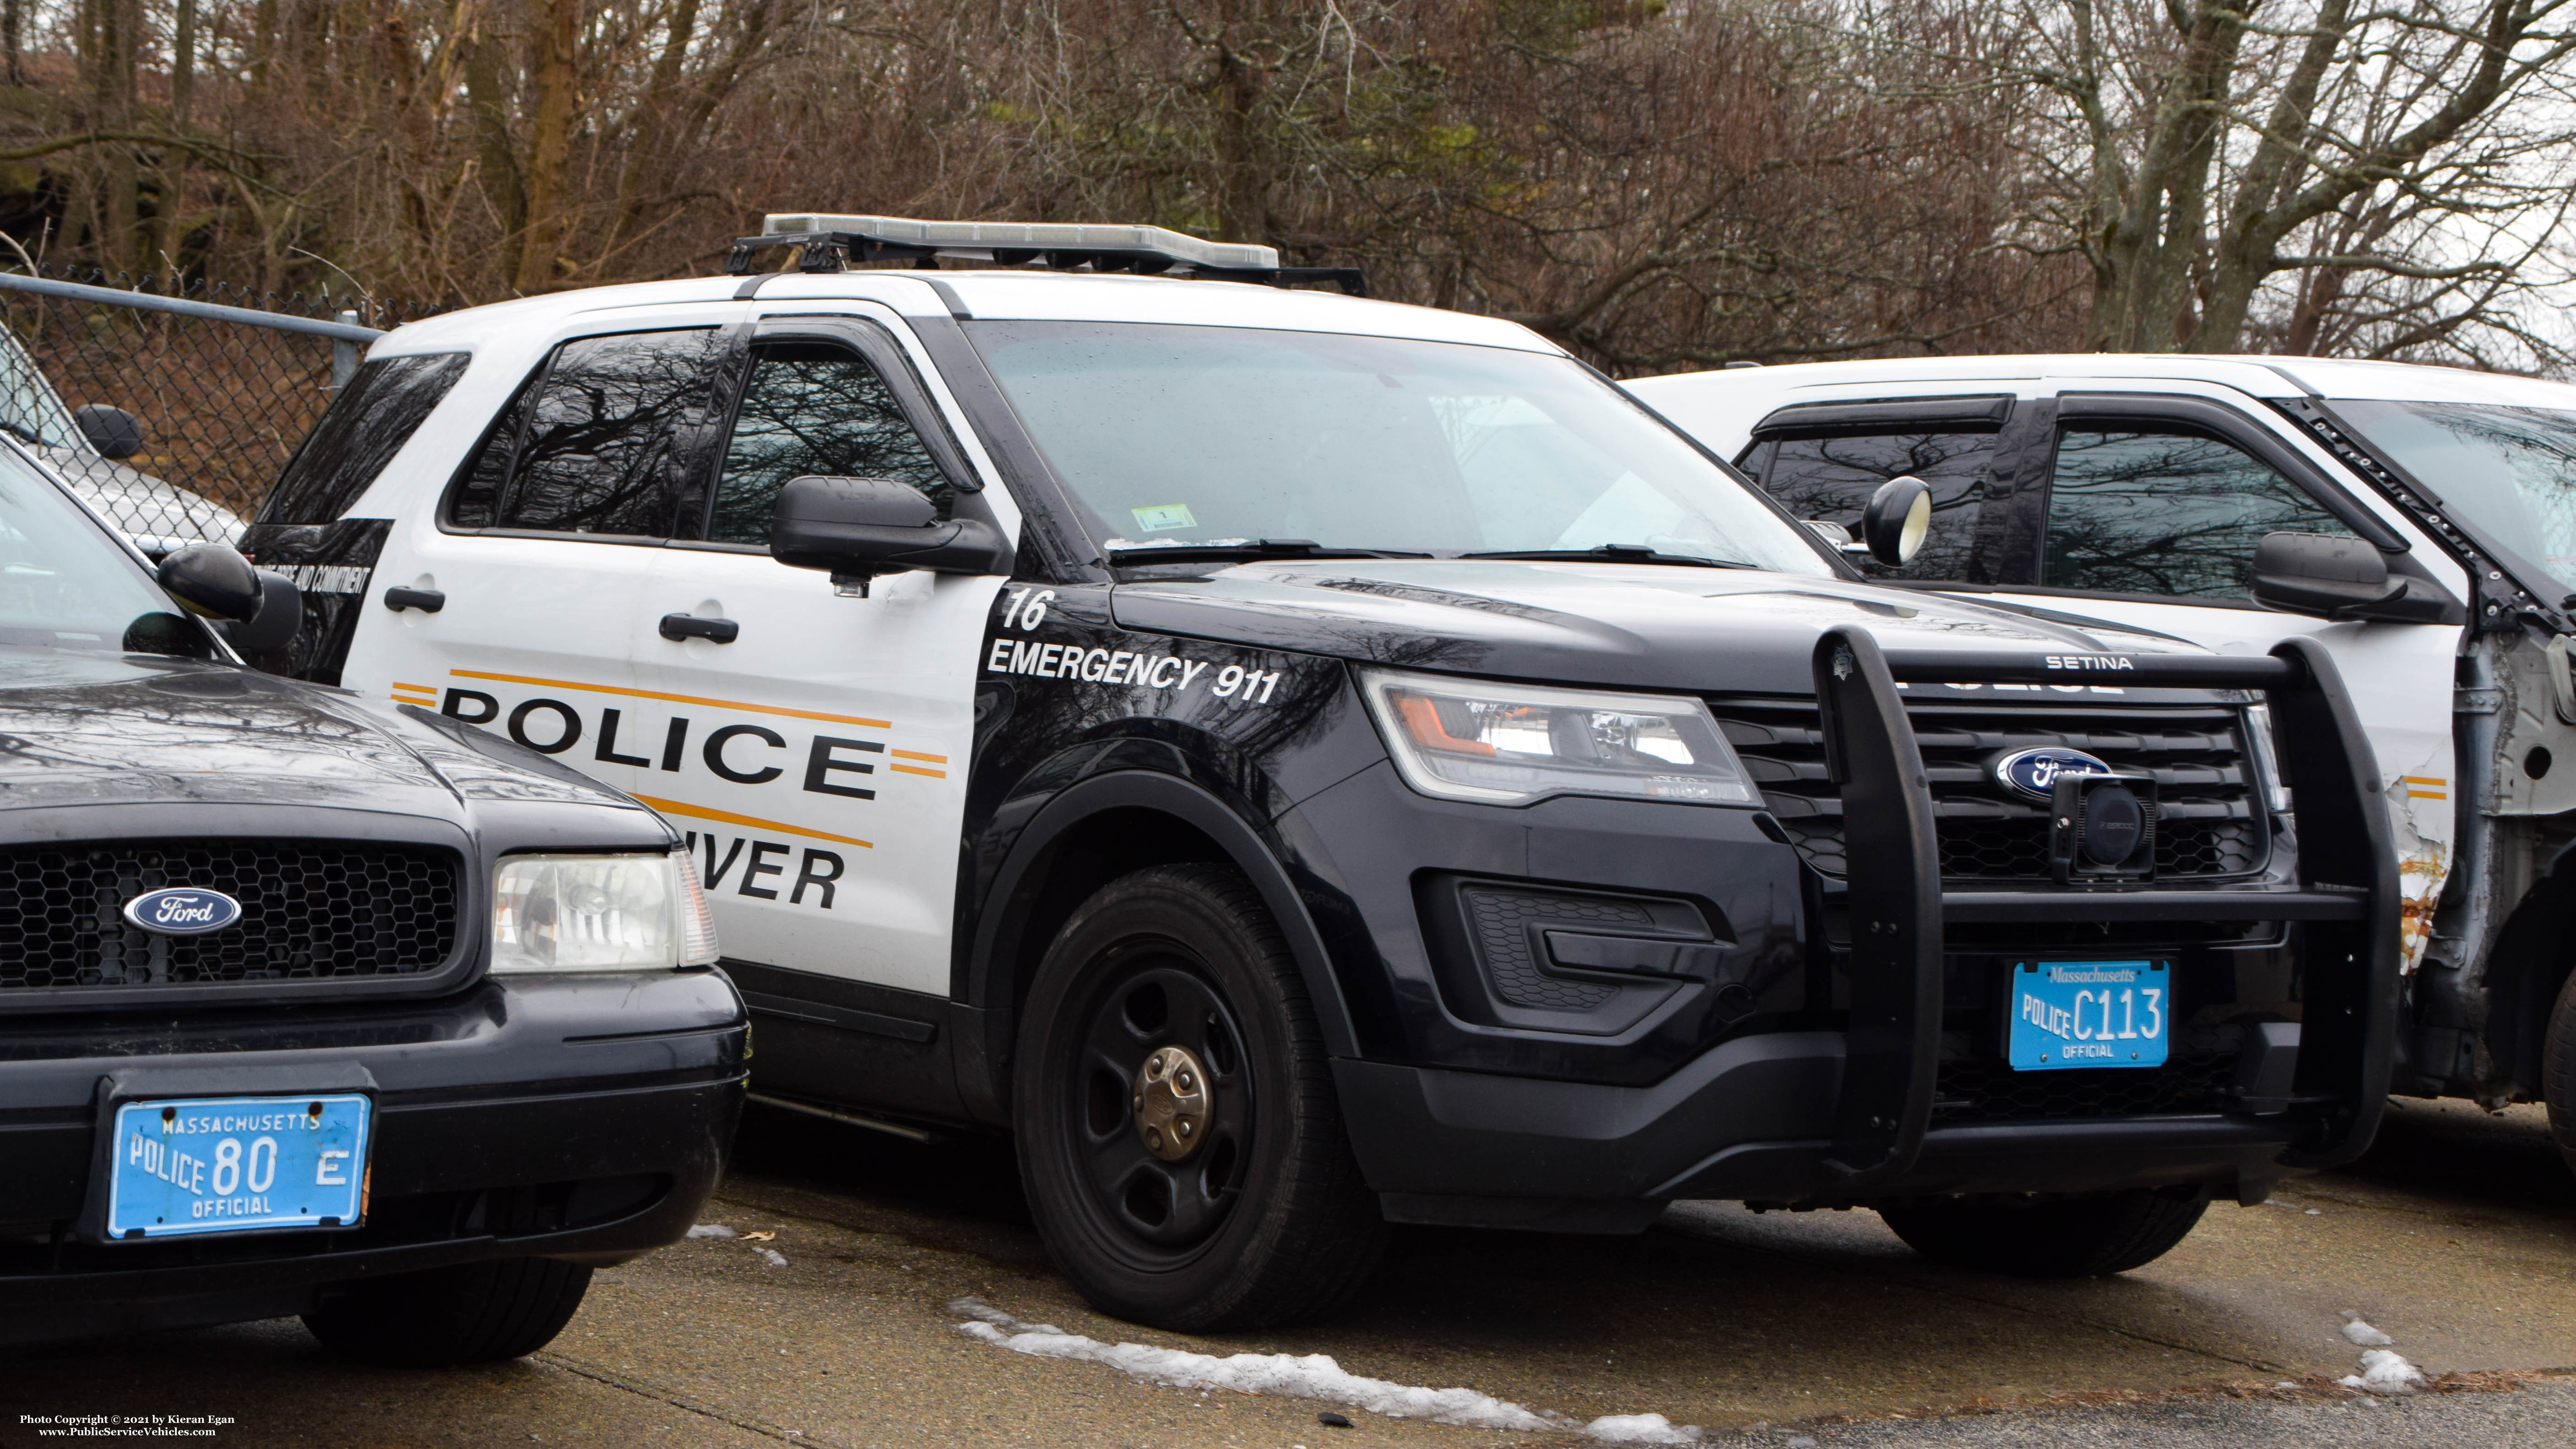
[[1262, 548], [1614, 553]]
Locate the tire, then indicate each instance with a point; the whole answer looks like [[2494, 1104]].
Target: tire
[[471, 1313], [1264, 1219], [2558, 1072], [2075, 1237]]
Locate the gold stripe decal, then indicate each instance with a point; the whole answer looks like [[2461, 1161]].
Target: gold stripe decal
[[700, 812], [916, 770], [918, 755], [846, 719]]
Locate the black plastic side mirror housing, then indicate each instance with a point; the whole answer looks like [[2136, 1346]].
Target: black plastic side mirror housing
[[112, 432], [2322, 575], [279, 620], [213, 581], [857, 528], [1897, 520]]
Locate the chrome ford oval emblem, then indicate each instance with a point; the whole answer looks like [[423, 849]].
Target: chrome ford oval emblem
[[182, 911], [2034, 772]]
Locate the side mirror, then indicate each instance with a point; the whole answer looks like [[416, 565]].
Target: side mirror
[[2322, 575], [113, 432], [213, 581], [279, 620], [1898, 517], [857, 528]]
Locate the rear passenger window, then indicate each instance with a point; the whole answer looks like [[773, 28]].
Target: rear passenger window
[[2168, 513], [812, 408], [377, 411], [1830, 479], [597, 442]]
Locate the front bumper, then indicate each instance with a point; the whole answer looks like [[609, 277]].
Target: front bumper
[[1753, 1120], [1806, 1116], [579, 1117]]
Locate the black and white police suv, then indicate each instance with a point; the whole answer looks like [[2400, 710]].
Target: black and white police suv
[[309, 1008], [1300, 762]]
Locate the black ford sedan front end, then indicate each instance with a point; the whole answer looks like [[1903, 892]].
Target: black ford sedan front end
[[307, 1009]]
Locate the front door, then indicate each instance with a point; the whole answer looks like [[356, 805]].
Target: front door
[[816, 741]]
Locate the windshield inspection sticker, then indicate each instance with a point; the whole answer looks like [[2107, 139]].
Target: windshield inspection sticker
[[1163, 517]]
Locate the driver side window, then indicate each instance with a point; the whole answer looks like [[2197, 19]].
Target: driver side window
[[813, 408], [2169, 513]]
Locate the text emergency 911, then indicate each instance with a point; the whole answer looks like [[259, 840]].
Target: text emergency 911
[[1128, 667]]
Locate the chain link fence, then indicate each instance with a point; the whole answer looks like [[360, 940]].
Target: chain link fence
[[172, 409]]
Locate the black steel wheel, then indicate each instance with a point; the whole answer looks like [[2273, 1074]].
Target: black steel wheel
[[1178, 1130]]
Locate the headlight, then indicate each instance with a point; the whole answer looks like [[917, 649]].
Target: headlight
[[1509, 744], [600, 913]]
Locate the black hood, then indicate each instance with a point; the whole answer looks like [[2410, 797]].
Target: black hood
[[1628, 625], [91, 730]]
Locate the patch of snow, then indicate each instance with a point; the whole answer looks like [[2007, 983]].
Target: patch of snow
[[711, 1230], [1638, 1429], [1304, 1376], [773, 1257], [2316, 1212], [2362, 1333], [2384, 1372]]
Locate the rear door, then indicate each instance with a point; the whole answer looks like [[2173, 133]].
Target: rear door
[[2144, 509], [536, 557]]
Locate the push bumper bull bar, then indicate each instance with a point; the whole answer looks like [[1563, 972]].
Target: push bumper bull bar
[[2346, 897]]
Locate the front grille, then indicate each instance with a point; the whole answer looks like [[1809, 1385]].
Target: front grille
[[1991, 1091], [311, 911], [2208, 820]]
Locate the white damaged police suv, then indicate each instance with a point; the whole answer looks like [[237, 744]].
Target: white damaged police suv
[[2418, 522], [1301, 762]]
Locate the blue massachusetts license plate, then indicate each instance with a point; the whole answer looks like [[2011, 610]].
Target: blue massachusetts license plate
[[236, 1164], [2088, 1014]]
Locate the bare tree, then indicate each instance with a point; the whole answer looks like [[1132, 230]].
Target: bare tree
[[2305, 173]]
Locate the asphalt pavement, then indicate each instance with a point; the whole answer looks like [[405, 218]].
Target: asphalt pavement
[[900, 1298]]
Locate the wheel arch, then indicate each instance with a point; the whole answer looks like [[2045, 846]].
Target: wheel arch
[[1091, 833], [2527, 969]]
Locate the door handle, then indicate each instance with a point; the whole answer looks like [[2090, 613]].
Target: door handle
[[428, 601], [676, 627]]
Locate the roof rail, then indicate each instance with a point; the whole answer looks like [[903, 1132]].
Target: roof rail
[[831, 243]]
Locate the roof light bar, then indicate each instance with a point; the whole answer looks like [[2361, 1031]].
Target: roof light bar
[[1034, 236], [829, 243]]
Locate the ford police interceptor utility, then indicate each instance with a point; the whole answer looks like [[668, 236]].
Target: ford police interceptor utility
[[2422, 519], [1301, 762]]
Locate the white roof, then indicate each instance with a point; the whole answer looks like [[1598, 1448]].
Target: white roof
[[994, 294], [2275, 377]]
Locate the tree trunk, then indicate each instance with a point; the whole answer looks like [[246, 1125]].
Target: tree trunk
[[1243, 181], [112, 97], [167, 226], [558, 56], [497, 160], [652, 121]]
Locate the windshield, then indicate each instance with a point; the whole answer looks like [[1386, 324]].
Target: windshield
[[65, 586], [1227, 435], [2509, 472]]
